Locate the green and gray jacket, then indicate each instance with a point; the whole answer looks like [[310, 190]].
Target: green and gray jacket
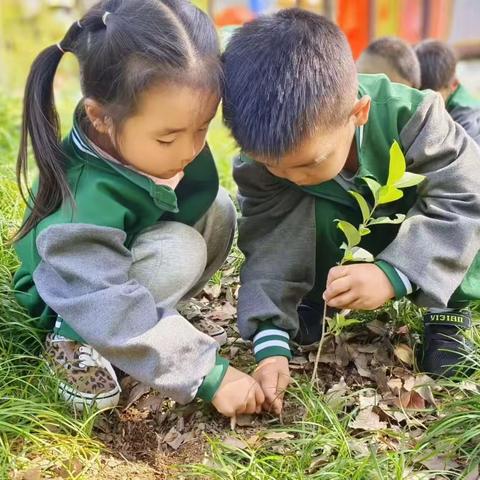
[[465, 110], [290, 240], [75, 263]]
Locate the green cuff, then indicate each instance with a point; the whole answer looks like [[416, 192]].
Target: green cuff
[[271, 341], [212, 381], [397, 284], [65, 330]]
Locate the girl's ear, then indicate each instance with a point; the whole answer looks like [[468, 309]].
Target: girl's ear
[[361, 110], [97, 116]]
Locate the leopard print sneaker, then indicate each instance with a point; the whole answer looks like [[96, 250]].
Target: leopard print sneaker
[[212, 329], [86, 378]]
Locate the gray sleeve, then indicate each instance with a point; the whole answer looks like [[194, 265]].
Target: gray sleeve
[[277, 236], [469, 119], [84, 277], [441, 235]]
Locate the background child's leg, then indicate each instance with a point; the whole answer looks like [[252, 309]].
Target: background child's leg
[[217, 228]]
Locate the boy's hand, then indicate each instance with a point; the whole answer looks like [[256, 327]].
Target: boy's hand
[[273, 375], [238, 393], [363, 286]]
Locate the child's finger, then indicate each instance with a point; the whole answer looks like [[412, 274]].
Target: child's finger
[[251, 405], [259, 396], [345, 300], [282, 385], [337, 287], [336, 272]]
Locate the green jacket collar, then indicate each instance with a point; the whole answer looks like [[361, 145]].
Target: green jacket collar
[[461, 97]]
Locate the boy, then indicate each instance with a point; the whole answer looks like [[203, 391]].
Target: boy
[[308, 131], [438, 64], [393, 57]]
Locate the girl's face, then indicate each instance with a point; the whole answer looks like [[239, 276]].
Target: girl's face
[[166, 132]]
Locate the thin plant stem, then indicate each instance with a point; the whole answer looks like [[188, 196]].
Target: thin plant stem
[[320, 345]]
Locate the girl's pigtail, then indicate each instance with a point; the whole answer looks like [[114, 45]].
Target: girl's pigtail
[[41, 125]]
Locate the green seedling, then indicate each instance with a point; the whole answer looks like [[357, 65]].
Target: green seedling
[[398, 179]]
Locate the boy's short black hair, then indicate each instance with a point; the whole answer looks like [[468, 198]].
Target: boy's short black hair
[[399, 55], [437, 63], [286, 75]]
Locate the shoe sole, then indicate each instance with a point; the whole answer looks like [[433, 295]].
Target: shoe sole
[[80, 400], [220, 338]]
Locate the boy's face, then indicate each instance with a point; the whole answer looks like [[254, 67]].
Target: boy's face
[[322, 156]]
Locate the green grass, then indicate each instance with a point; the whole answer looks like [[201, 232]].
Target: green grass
[[34, 424], [322, 446]]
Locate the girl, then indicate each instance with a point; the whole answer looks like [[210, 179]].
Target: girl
[[127, 218]]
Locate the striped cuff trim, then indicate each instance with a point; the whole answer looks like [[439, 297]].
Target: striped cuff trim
[[273, 352], [269, 344], [271, 332]]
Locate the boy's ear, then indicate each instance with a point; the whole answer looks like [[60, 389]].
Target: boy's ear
[[96, 114], [361, 110], [454, 85]]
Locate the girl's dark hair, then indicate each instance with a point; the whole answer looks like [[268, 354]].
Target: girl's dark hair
[[138, 44]]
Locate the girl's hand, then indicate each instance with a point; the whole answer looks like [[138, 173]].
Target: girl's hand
[[238, 393], [363, 286], [273, 375]]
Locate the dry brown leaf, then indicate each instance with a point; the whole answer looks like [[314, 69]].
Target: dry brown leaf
[[253, 440], [232, 353], [359, 446], [229, 295], [409, 383], [298, 360], [235, 442], [152, 402], [424, 387], [401, 372], [226, 311], [410, 400], [367, 420], [377, 327], [335, 395], [439, 462], [317, 464], [365, 401], [138, 391], [380, 378], [342, 355], [245, 420], [324, 358], [403, 330], [404, 353], [278, 436], [474, 474], [361, 363], [173, 439], [213, 291], [395, 385], [369, 348], [32, 474]]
